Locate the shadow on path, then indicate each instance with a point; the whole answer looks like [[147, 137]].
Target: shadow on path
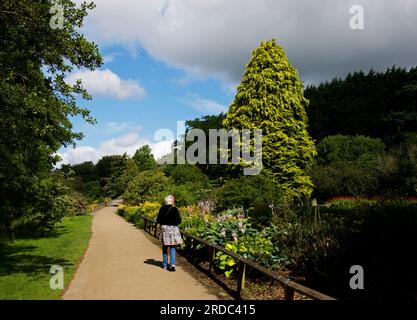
[[153, 262]]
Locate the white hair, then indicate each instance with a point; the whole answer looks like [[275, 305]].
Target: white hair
[[169, 199]]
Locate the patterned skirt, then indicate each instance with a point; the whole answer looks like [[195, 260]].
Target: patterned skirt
[[170, 235]]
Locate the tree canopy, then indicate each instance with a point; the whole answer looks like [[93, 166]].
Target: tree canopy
[[271, 98], [377, 104], [36, 103], [144, 159]]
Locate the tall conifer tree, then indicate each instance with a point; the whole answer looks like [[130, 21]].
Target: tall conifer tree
[[271, 98]]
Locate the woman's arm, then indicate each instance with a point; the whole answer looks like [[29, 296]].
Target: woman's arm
[[158, 218], [178, 217]]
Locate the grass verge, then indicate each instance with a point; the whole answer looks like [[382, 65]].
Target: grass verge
[[25, 263]]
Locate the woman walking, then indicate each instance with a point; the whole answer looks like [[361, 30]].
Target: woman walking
[[169, 218]]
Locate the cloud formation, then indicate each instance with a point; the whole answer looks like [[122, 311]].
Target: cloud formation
[[105, 83], [128, 144], [216, 37], [205, 106]]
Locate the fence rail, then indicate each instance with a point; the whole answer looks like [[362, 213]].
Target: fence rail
[[99, 206], [290, 287]]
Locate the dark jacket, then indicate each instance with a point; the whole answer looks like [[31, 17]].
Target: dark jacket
[[169, 216]]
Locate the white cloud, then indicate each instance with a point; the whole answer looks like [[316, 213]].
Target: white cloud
[[79, 155], [111, 57], [128, 144], [216, 37], [105, 83], [205, 106], [113, 127]]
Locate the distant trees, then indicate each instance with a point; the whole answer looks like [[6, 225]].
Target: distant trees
[[271, 98], [363, 166], [398, 168], [146, 186], [144, 159], [110, 176], [216, 172], [110, 169], [347, 165], [377, 104], [381, 108]]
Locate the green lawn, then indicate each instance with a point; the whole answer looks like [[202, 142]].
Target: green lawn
[[25, 263]]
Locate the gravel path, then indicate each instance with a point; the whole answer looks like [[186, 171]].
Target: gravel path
[[122, 263]]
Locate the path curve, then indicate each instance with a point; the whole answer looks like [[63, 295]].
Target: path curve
[[114, 266]]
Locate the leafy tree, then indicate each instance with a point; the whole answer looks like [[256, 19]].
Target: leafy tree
[[347, 166], [144, 159], [398, 168], [215, 172], [114, 168], [184, 173], [130, 172], [185, 194], [188, 184], [270, 98], [339, 149], [146, 186], [86, 171], [377, 104], [258, 195], [36, 103]]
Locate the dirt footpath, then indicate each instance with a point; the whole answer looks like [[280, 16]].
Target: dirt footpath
[[122, 263]]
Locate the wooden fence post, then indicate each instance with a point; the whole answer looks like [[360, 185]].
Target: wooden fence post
[[241, 270], [212, 255], [289, 293]]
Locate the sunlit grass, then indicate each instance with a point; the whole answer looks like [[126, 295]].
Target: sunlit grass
[[25, 263]]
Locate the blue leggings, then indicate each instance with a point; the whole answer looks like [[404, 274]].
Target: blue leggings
[[165, 255]]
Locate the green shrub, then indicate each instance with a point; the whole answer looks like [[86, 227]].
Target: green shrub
[[256, 248], [78, 205], [187, 173], [346, 165], [185, 194], [257, 195], [146, 186]]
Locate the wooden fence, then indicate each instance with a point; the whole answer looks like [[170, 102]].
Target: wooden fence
[[290, 287], [98, 206]]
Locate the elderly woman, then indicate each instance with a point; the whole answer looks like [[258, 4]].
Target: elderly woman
[[169, 219]]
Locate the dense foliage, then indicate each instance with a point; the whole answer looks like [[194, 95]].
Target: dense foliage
[[363, 166], [377, 104], [36, 105], [270, 97], [147, 185], [144, 159], [366, 137], [347, 166]]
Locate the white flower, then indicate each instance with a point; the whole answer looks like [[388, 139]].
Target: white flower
[[223, 233]]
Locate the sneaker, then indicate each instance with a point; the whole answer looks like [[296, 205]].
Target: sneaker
[[171, 268]]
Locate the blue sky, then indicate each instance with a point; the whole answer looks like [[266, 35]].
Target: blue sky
[[169, 95], [173, 60], [168, 98]]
